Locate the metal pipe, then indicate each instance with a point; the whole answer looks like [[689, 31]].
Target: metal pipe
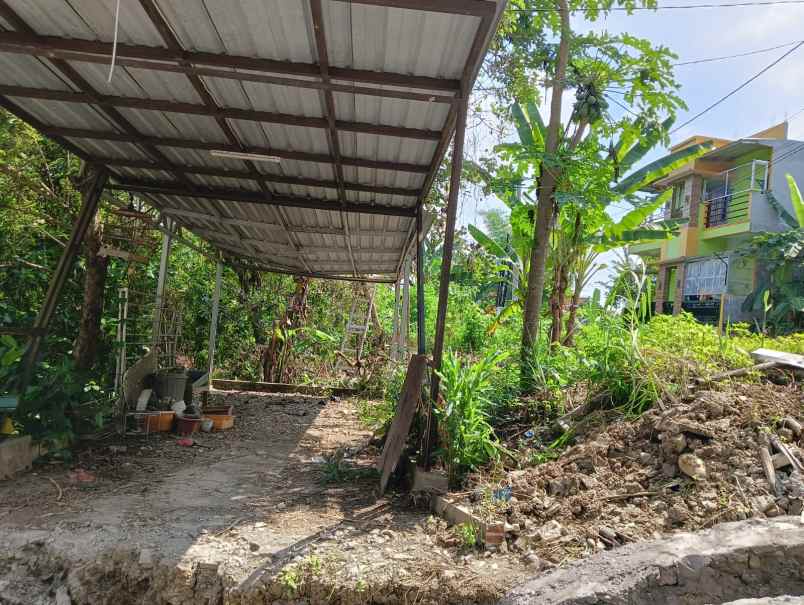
[[446, 266], [213, 321], [420, 284], [404, 332], [395, 324], [167, 240]]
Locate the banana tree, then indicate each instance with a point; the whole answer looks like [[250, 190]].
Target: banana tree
[[778, 295], [582, 221]]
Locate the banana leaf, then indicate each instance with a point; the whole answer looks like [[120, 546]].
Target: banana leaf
[[661, 168], [795, 197]]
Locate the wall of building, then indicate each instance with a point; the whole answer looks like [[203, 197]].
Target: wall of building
[[787, 158]]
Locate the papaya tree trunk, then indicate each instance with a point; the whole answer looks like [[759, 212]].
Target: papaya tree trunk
[[85, 351], [547, 184]]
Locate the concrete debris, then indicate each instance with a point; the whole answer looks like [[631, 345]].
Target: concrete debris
[[692, 466]]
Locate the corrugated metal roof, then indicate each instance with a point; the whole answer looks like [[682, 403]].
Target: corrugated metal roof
[[159, 123]]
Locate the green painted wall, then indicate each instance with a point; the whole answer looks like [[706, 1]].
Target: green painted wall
[[741, 276]]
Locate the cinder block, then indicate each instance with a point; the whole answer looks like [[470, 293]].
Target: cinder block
[[16, 454]]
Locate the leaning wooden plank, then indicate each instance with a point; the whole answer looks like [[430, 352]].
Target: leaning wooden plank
[[787, 359], [765, 365], [403, 418]]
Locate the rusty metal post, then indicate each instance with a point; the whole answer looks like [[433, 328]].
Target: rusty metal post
[[94, 180], [446, 266], [420, 336]]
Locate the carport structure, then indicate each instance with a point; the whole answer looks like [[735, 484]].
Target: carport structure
[[295, 136]]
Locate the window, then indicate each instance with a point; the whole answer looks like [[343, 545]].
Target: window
[[705, 277], [678, 205]]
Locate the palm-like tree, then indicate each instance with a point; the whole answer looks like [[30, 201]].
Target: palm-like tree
[[582, 225]]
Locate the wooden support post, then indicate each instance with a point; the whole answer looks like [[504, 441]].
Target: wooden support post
[[446, 266], [420, 336], [720, 315], [167, 241], [213, 322], [94, 180]]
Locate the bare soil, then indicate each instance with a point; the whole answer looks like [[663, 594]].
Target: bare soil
[[261, 514], [260, 507], [623, 481]]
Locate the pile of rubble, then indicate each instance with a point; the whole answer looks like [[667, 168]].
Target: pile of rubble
[[723, 456]]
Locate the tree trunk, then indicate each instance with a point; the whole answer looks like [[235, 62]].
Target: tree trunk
[[569, 338], [544, 212], [276, 355], [557, 302], [85, 352]]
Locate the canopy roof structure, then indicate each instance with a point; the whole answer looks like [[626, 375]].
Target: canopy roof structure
[[297, 136]]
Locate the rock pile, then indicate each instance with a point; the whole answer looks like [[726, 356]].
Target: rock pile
[[689, 467]]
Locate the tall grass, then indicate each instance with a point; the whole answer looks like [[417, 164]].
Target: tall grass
[[470, 441]]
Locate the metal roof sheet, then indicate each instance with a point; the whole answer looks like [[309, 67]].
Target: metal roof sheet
[[358, 132]]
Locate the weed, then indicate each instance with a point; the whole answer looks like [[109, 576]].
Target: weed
[[468, 534], [470, 438], [361, 585], [335, 469], [290, 579]]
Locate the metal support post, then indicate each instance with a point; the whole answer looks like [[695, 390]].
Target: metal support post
[[395, 335], [213, 322], [446, 266], [404, 333], [94, 180], [420, 336], [167, 241]]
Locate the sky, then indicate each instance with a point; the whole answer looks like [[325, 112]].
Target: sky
[[702, 33]]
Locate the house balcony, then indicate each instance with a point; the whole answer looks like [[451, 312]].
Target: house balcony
[[728, 197]]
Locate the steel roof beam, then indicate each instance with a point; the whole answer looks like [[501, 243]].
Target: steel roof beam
[[474, 8], [111, 102], [287, 154], [32, 43], [269, 178], [254, 197]]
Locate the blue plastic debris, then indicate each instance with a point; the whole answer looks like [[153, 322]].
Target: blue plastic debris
[[503, 494]]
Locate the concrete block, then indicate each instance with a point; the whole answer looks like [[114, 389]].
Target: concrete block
[[16, 454]]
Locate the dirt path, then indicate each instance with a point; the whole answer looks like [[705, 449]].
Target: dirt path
[[250, 509]]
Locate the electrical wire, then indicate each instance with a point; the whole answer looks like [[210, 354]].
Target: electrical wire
[[738, 89], [745, 54]]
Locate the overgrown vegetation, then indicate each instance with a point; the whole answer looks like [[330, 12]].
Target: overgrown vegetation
[[525, 342]]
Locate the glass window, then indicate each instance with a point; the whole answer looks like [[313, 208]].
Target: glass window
[[705, 277]]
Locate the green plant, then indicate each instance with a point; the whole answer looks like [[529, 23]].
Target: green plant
[[10, 356], [468, 534], [470, 438], [291, 579]]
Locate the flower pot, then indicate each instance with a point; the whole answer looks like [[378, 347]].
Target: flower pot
[[220, 422], [158, 422], [187, 426]]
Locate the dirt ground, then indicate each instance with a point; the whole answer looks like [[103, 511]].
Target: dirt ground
[[261, 513], [258, 504], [686, 467]]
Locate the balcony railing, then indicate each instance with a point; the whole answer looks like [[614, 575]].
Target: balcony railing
[[727, 196]]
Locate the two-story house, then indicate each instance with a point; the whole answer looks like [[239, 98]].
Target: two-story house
[[724, 197]]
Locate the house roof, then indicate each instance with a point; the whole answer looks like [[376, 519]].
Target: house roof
[[300, 136]]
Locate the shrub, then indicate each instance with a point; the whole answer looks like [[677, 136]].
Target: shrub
[[470, 438]]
